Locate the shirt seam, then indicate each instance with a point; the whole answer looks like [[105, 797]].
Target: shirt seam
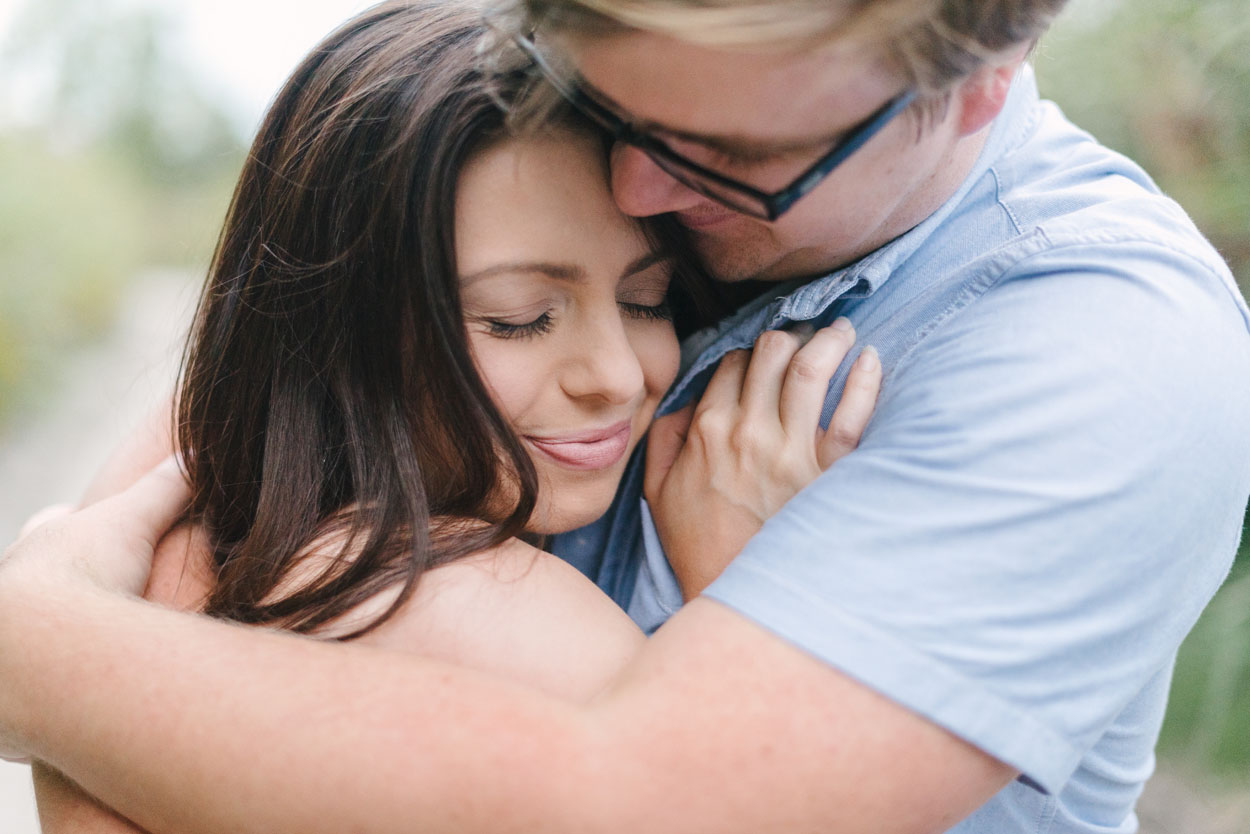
[[1046, 246], [1001, 203], [1029, 730], [1106, 238]]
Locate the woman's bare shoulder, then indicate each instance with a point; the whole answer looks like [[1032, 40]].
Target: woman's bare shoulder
[[514, 610], [520, 612], [182, 571]]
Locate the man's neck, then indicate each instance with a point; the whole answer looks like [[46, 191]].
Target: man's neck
[[945, 183]]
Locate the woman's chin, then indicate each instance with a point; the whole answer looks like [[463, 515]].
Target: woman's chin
[[548, 520]]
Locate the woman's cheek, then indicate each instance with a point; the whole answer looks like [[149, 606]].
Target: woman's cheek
[[510, 371], [659, 353]]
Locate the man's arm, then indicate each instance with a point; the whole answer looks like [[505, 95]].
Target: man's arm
[[690, 738]]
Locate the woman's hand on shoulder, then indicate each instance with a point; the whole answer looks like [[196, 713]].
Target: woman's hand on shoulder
[[716, 471]]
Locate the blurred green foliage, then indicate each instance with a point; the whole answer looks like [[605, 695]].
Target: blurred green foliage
[[70, 233], [1208, 721], [1168, 83], [121, 162]]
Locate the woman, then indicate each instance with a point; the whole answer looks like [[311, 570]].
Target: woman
[[424, 345]]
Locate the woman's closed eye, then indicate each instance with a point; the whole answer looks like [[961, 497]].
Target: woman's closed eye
[[646, 310], [504, 329], [657, 311], [644, 294]]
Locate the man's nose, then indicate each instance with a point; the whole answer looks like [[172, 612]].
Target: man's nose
[[641, 188]]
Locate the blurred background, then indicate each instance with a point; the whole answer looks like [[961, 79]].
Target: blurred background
[[123, 124]]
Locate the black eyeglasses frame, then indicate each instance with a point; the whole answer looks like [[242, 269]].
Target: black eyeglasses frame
[[765, 205]]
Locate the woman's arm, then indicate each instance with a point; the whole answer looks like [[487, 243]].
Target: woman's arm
[[515, 611], [65, 808], [180, 580], [148, 444], [519, 613]]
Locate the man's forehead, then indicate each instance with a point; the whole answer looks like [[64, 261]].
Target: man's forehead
[[768, 94]]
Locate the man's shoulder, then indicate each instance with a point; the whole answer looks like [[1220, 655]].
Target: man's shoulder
[[1046, 200], [1063, 221], [1063, 182]]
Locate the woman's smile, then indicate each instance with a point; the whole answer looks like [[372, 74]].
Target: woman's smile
[[592, 449], [565, 302]]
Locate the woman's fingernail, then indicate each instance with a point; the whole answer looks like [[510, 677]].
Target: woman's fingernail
[[868, 359], [842, 323]]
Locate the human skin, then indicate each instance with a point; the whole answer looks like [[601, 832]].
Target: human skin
[[523, 606], [572, 263], [688, 738], [565, 308], [604, 356], [784, 108]]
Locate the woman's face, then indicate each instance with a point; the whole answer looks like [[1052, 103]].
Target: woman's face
[[564, 303]]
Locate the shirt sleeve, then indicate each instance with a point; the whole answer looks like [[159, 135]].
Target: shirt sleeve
[[1050, 491]]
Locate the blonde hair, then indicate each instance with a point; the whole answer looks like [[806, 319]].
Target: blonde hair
[[935, 43]]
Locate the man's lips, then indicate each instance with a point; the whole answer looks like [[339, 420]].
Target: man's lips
[[594, 449]]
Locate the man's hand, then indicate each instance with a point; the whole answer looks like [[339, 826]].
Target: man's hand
[[107, 546], [717, 471]]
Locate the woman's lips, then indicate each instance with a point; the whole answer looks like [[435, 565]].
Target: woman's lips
[[595, 449]]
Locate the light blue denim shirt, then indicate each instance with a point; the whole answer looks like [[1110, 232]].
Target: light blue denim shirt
[[1051, 488]]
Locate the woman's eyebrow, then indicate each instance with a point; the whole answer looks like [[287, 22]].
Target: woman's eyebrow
[[558, 271], [644, 262]]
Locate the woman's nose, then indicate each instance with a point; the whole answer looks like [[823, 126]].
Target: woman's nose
[[641, 188], [605, 365]]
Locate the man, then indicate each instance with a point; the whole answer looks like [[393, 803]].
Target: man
[[968, 625]]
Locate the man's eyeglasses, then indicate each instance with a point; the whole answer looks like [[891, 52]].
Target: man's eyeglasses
[[726, 190]]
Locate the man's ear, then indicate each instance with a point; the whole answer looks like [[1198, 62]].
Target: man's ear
[[983, 94]]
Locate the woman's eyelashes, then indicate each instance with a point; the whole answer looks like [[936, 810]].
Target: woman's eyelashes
[[658, 312], [545, 322], [520, 330], [644, 295]]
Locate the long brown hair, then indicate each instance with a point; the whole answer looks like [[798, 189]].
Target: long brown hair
[[328, 392]]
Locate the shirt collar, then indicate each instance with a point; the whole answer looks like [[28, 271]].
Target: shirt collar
[[865, 276]]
